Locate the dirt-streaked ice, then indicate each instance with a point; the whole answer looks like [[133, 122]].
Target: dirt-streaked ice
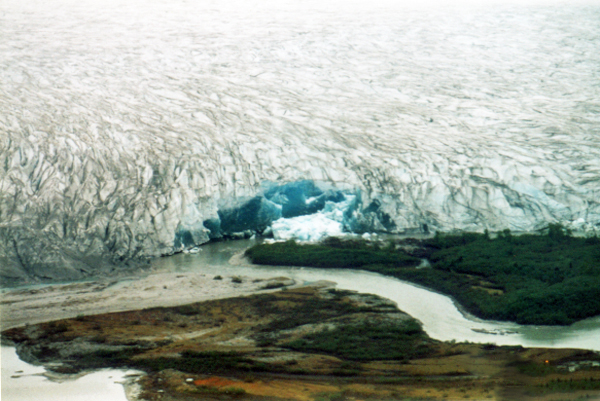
[[121, 122]]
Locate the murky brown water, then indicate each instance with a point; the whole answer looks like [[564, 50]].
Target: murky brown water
[[439, 314]]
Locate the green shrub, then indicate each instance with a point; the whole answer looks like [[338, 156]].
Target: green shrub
[[292, 254], [187, 310], [546, 279], [571, 385], [201, 362], [368, 341]]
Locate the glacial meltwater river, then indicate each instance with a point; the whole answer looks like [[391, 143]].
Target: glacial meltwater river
[[325, 89], [440, 316]]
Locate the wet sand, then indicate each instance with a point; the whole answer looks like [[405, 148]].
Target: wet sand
[[37, 304]]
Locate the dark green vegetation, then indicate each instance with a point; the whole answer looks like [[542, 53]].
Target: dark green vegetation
[[369, 341], [570, 385], [202, 362], [191, 362], [308, 310], [534, 369], [332, 253], [553, 278]]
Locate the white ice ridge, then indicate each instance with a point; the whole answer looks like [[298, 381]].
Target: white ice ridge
[[314, 227], [121, 122], [306, 228]]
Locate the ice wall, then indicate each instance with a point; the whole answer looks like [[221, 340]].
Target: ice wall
[[130, 130]]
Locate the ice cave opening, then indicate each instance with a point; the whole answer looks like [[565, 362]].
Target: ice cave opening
[[302, 210]]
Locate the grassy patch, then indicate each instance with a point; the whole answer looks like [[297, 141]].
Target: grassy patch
[[105, 359], [572, 385], [294, 313], [534, 369], [201, 363], [338, 396], [189, 362], [231, 391], [187, 310], [368, 341]]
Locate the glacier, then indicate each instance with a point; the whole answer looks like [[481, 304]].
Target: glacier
[[131, 130], [329, 221]]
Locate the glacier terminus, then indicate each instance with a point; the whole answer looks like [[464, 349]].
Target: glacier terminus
[[131, 130]]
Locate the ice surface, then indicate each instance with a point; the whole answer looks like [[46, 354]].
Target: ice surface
[[302, 210], [306, 228], [328, 222], [124, 126]]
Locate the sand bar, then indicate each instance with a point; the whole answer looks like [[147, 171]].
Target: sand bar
[[37, 304]]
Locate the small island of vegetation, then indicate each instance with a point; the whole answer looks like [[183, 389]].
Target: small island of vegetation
[[547, 279]]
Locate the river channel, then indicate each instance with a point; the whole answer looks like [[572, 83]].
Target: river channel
[[441, 317]]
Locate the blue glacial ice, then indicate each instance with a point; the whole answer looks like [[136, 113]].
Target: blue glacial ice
[[302, 210]]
